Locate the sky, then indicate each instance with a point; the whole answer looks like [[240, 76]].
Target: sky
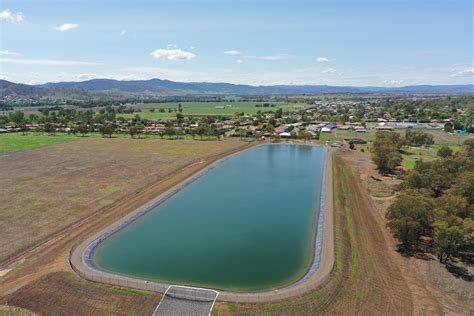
[[258, 42]]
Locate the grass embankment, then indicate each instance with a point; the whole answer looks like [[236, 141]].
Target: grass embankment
[[13, 142], [364, 279], [62, 292]]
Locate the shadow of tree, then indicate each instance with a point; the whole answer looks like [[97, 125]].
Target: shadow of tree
[[459, 272]]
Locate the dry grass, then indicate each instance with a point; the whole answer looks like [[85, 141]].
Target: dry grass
[[45, 190], [64, 293]]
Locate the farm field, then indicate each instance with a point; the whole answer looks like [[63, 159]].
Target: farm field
[[209, 108], [47, 189]]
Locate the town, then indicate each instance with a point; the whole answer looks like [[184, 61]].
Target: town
[[311, 117]]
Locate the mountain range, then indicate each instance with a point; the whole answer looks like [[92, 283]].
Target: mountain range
[[159, 87]]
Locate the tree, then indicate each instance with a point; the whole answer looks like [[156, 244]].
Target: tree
[[279, 113], [448, 239], [386, 151], [17, 117], [179, 118], [469, 147], [202, 129], [464, 186], [24, 128], [410, 216], [49, 128], [133, 130], [351, 145], [418, 138], [444, 152], [107, 129], [170, 131], [83, 129], [448, 127]]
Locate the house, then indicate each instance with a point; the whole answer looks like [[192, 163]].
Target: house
[[285, 135], [281, 129], [328, 128]]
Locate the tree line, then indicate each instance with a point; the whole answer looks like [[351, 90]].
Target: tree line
[[436, 202]]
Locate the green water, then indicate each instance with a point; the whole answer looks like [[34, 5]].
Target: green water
[[246, 225]]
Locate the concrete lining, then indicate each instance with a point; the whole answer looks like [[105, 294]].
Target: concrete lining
[[318, 273]]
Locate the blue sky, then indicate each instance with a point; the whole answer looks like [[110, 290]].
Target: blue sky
[[359, 43]]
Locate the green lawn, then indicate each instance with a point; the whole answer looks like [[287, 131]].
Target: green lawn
[[17, 142], [412, 155]]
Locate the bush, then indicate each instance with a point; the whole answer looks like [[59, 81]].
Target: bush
[[444, 152]]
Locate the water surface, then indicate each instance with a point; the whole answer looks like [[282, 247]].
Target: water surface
[[246, 225]]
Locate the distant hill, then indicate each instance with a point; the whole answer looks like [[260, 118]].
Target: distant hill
[[158, 87], [167, 87], [19, 90]]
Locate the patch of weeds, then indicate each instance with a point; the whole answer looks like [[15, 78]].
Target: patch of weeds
[[378, 231], [106, 202], [110, 189]]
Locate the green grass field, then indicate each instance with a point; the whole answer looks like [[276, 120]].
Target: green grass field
[[17, 142], [209, 108]]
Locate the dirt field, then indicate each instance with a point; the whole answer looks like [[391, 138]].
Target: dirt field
[[45, 190]]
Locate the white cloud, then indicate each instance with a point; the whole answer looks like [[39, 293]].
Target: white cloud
[[464, 73], [392, 82], [66, 27], [323, 60], [14, 17], [233, 52], [172, 54], [46, 62], [239, 61], [275, 57], [269, 57], [9, 53], [328, 71], [123, 32]]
